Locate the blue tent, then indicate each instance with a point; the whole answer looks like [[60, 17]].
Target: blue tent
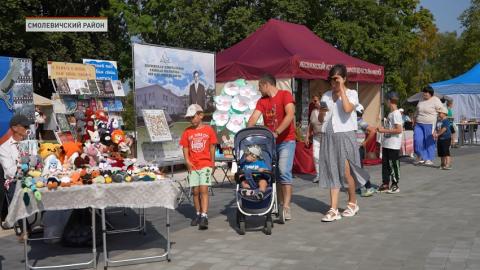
[[464, 90]]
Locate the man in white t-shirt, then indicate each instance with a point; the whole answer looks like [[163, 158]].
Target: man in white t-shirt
[[392, 140]]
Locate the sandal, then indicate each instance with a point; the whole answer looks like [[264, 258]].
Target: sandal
[[332, 215], [352, 210]]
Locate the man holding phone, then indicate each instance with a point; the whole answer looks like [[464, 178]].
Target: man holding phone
[[278, 111]]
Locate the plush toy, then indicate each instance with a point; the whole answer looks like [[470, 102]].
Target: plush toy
[[71, 151], [118, 136], [94, 136], [116, 160], [108, 179], [52, 167], [75, 178], [81, 161], [93, 153], [106, 139], [34, 173], [86, 177], [99, 179], [39, 182], [118, 177], [47, 149], [65, 181], [53, 183], [27, 184], [113, 124], [102, 128], [101, 115]]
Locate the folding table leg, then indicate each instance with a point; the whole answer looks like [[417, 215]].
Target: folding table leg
[[104, 237]]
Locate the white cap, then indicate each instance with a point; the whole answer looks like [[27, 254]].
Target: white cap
[[443, 109], [401, 110], [359, 108], [193, 109], [255, 150]]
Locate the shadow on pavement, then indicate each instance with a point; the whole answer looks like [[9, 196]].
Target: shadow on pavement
[[310, 204]]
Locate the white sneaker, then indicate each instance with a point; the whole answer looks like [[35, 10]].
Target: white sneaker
[[332, 215], [352, 210], [429, 163], [418, 162]]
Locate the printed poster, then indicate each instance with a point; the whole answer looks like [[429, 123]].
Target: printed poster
[[170, 80], [16, 90], [157, 125]]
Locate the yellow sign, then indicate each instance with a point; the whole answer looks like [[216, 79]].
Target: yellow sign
[[71, 71]]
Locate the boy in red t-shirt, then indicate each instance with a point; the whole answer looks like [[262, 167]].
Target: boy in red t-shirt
[[198, 142]]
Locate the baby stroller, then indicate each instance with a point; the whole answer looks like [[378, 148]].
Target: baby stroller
[[246, 205]]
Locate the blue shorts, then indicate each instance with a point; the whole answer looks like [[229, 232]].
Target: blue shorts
[[285, 154]]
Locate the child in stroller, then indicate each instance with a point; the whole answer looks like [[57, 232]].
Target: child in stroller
[[254, 183]]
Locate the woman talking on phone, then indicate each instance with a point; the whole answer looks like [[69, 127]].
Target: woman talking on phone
[[339, 158]]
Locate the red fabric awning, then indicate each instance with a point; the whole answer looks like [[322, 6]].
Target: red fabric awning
[[288, 50]]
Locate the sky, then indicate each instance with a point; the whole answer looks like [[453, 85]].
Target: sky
[[446, 13]]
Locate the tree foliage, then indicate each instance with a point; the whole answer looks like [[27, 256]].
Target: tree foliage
[[64, 47], [398, 34]]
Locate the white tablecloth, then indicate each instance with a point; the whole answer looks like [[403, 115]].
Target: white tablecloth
[[160, 193]]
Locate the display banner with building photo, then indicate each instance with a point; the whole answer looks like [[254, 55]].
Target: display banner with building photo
[[16, 90], [170, 79]]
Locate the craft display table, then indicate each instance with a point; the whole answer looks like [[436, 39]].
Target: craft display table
[[468, 128], [159, 193]]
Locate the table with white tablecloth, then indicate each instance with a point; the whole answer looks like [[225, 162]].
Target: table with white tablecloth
[[159, 193]]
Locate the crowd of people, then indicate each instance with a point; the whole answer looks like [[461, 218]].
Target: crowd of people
[[335, 123]]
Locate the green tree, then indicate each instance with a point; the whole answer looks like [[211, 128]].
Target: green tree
[[470, 38], [128, 114], [395, 34], [65, 47]]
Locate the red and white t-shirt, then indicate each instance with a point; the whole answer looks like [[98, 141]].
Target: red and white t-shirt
[[273, 111], [198, 142]]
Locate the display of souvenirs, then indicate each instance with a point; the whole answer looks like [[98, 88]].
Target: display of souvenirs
[[61, 85], [62, 122], [92, 86], [118, 88], [70, 104]]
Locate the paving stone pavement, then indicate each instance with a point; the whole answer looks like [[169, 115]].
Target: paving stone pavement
[[433, 223]]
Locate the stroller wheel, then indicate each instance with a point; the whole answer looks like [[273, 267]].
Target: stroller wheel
[[241, 228], [268, 227], [281, 217], [240, 222]]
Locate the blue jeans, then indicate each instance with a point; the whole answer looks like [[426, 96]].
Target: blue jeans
[[423, 141], [285, 154]]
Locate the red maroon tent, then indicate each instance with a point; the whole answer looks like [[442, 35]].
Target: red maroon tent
[[288, 50]]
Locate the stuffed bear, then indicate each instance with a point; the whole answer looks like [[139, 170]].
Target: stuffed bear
[[82, 161]]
